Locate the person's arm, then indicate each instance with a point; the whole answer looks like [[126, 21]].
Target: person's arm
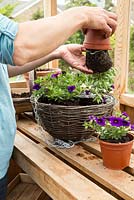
[[16, 70], [36, 39], [71, 53]]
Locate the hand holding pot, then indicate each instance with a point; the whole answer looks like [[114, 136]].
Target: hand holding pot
[[100, 19]]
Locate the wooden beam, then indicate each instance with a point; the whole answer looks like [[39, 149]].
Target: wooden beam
[[127, 99], [122, 47], [50, 9]]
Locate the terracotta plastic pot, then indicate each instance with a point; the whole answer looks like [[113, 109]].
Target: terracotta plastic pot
[[116, 156], [95, 39]]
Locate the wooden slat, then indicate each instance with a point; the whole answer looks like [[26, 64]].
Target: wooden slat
[[127, 99], [88, 163], [33, 129], [92, 166], [50, 9], [19, 189], [122, 47], [55, 177], [19, 90], [19, 84]]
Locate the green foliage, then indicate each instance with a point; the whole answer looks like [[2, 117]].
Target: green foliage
[[110, 128], [74, 3], [7, 10], [55, 86], [109, 5], [38, 14]]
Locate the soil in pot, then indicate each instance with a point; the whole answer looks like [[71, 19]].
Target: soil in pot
[[22, 95], [98, 60], [84, 101], [124, 139]]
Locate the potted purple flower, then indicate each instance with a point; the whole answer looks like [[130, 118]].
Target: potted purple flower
[[64, 101], [115, 138]]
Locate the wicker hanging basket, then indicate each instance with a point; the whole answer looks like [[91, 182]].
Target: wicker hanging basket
[[66, 122]]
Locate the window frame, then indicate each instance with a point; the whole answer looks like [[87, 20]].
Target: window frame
[[121, 59]]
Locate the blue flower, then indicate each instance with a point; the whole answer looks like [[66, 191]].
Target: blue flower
[[100, 121], [36, 86], [115, 121], [71, 88]]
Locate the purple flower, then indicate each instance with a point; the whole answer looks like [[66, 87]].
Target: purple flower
[[112, 86], [91, 117], [100, 121], [125, 123], [132, 127], [71, 88], [115, 121], [55, 75], [125, 114], [104, 100], [36, 86], [87, 92]]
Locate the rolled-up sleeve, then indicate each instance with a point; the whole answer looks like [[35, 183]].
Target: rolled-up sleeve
[[8, 31]]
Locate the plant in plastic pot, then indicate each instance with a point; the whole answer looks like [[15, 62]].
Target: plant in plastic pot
[[115, 138], [64, 101]]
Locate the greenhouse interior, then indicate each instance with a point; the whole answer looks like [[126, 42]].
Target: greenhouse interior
[[67, 117]]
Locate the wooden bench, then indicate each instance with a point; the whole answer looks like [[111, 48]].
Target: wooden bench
[[69, 174], [22, 187]]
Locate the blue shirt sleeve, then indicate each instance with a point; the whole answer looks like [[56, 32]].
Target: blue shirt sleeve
[[8, 31]]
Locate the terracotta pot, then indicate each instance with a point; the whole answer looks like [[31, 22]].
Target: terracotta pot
[[116, 156], [95, 39]]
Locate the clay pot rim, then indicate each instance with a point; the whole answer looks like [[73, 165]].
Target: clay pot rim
[[116, 144], [89, 45]]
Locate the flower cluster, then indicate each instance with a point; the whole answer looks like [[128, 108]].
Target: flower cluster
[[113, 127], [69, 85]]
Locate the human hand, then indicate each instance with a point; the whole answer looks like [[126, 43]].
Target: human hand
[[72, 54], [98, 19]]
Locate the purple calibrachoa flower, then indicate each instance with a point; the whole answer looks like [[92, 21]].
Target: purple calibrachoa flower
[[55, 75], [104, 100], [36, 86], [112, 86], [132, 127], [91, 117], [71, 88], [100, 121], [87, 92], [125, 114], [125, 123], [115, 121]]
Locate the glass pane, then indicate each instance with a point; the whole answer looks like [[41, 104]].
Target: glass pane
[[131, 53]]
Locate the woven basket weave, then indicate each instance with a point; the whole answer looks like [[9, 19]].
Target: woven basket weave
[[66, 122]]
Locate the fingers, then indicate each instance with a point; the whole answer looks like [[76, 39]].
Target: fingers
[[111, 15], [111, 21], [109, 27], [113, 24], [107, 31], [81, 68]]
